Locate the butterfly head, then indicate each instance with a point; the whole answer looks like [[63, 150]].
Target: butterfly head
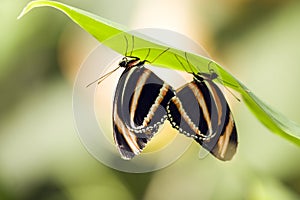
[[128, 62], [201, 76]]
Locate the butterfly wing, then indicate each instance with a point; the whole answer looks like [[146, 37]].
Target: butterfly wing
[[200, 110], [139, 107], [224, 145]]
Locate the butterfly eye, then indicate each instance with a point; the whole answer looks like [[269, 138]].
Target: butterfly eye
[[212, 71], [213, 74], [123, 63]]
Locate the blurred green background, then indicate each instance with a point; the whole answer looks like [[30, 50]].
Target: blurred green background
[[41, 156]]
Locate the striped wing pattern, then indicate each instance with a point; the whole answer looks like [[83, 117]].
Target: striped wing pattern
[[139, 109], [200, 110]]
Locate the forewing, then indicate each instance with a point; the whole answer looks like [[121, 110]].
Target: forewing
[[224, 145], [139, 109]]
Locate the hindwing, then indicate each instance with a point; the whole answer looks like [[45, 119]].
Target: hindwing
[[139, 108]]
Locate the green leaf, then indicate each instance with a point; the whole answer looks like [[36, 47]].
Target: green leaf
[[103, 29]]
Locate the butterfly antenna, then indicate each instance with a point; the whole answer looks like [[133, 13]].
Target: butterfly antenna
[[159, 55], [238, 99], [102, 78], [132, 45], [148, 53], [126, 41], [222, 81], [188, 62], [180, 62]]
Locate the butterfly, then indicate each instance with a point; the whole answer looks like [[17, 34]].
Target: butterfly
[[200, 110], [139, 105]]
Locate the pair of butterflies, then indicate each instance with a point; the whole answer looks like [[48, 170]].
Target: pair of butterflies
[[198, 109]]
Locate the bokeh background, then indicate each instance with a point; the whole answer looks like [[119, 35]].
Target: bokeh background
[[41, 156]]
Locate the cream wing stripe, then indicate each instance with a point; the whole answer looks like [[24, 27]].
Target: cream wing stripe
[[217, 100], [224, 139], [201, 101], [137, 93], [188, 120], [163, 91], [129, 137]]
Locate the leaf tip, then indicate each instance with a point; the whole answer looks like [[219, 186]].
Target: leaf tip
[[22, 14], [25, 10], [30, 6]]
